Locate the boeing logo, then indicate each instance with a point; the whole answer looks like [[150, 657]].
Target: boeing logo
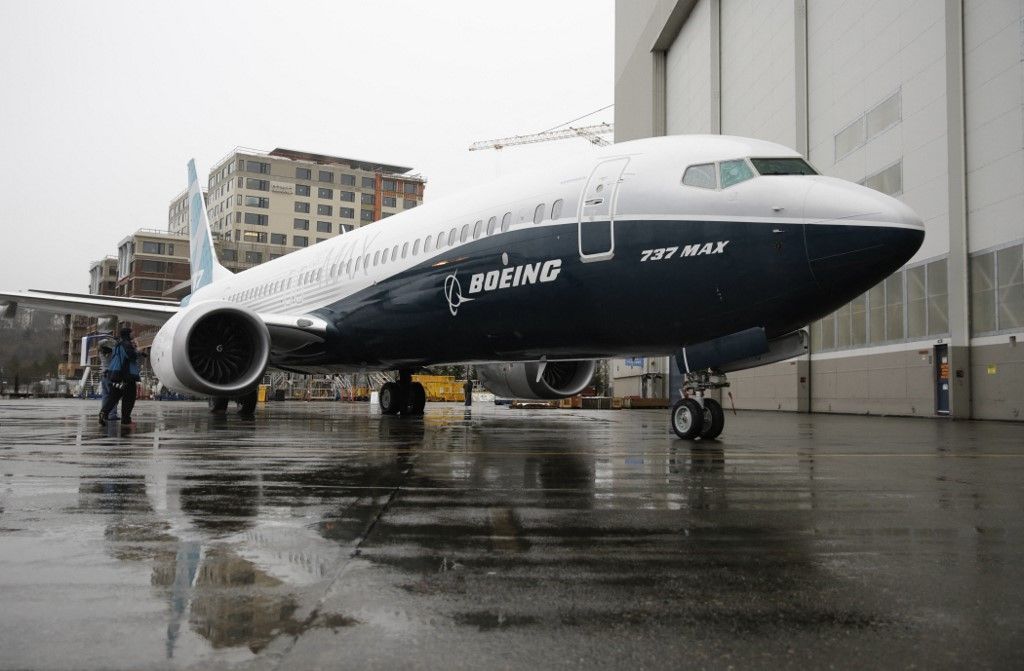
[[510, 276], [453, 293], [515, 276]]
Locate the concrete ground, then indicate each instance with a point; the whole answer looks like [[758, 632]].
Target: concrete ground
[[320, 535]]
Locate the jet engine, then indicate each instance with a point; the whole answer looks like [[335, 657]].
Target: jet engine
[[536, 380], [213, 348]]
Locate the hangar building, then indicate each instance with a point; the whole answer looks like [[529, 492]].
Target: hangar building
[[921, 100]]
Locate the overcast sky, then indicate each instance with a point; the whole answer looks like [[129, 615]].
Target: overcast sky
[[103, 103]]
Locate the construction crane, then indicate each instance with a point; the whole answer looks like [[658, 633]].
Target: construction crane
[[590, 133]]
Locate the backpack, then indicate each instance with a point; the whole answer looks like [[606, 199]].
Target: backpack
[[124, 365]]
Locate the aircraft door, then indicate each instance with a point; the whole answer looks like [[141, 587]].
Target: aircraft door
[[597, 211]]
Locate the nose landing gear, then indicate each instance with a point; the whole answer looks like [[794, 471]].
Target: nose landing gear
[[695, 415]]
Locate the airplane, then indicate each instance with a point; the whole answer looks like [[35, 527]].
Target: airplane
[[714, 249]]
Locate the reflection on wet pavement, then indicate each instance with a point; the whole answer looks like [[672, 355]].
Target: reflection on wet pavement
[[499, 537]]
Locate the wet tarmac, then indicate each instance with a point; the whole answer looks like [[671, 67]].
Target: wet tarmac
[[322, 535]]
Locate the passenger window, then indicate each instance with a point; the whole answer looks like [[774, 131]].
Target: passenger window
[[506, 221], [702, 175], [451, 237], [427, 245], [538, 214], [464, 234], [366, 263], [405, 249], [416, 247], [491, 224], [384, 256], [734, 172], [440, 241], [376, 258], [394, 252], [477, 228], [556, 209]]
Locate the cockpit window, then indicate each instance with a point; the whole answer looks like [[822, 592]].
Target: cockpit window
[[782, 166], [734, 172], [702, 175]]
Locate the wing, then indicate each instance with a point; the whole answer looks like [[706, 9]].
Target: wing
[[132, 309]]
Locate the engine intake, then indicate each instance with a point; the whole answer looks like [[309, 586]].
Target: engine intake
[[535, 380], [213, 348]]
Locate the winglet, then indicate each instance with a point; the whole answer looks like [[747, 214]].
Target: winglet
[[203, 258]]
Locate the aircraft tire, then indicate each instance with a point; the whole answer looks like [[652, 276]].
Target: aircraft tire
[[417, 399], [217, 405], [247, 403], [687, 418], [714, 419], [391, 399]]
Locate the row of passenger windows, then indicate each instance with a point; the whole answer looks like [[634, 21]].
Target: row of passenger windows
[[425, 245], [727, 173]]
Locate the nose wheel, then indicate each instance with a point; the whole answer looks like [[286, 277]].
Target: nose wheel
[[695, 415]]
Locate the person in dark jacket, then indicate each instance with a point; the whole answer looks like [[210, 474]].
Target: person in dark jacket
[[107, 345], [123, 373]]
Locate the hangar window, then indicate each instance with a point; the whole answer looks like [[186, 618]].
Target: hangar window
[[492, 223], [506, 221], [538, 214], [556, 209], [464, 233], [477, 228], [451, 237], [702, 175], [782, 166], [889, 181], [734, 172]]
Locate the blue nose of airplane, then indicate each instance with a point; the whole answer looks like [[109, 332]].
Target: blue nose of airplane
[[849, 259], [851, 253]]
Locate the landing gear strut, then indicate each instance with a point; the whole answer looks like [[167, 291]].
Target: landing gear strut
[[695, 415], [246, 403], [403, 397]]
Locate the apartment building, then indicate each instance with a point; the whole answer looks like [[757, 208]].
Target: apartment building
[[295, 199]]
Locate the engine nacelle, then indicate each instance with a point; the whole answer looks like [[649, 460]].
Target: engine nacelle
[[214, 348], [532, 380]]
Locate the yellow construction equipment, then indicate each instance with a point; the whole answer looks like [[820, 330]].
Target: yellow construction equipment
[[441, 387]]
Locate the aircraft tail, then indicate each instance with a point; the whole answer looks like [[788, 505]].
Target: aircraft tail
[[205, 266]]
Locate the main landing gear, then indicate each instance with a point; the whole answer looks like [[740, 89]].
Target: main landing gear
[[404, 397], [695, 415], [246, 404]]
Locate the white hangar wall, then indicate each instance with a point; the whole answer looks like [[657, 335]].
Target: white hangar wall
[[918, 99]]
